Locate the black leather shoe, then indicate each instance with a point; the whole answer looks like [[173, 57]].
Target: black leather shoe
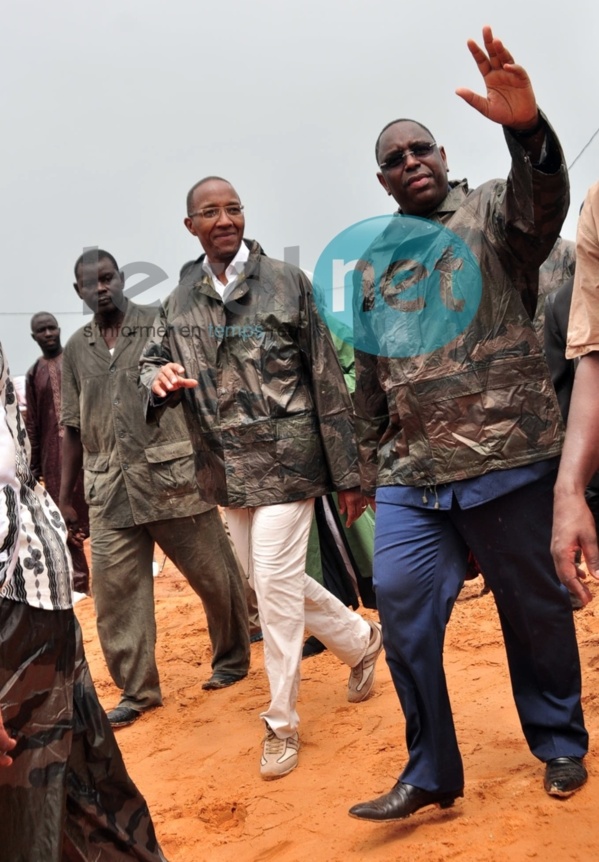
[[402, 801], [122, 716], [564, 776], [220, 680]]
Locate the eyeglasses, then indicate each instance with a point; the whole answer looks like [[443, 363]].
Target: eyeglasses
[[212, 213], [419, 151]]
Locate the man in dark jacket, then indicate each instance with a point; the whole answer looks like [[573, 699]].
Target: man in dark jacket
[[271, 424], [141, 489], [459, 432]]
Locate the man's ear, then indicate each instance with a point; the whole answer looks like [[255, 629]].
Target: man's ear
[[33, 336], [77, 291], [383, 181], [188, 222], [444, 158]]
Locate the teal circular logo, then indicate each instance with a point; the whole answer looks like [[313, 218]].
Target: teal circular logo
[[397, 285]]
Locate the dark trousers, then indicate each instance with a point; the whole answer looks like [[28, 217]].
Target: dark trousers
[[419, 566], [123, 590]]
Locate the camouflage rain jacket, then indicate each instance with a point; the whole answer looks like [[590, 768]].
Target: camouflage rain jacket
[[483, 401], [271, 419]]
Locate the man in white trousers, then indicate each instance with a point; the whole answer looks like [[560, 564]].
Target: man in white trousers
[[271, 424]]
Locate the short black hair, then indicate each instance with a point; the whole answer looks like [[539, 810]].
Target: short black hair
[[393, 123], [191, 192], [94, 256], [39, 314]]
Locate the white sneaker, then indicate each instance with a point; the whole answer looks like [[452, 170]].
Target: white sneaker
[[279, 756], [361, 678]]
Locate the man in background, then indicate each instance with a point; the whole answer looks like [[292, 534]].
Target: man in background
[[42, 387], [141, 488]]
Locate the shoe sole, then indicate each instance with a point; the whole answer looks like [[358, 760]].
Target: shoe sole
[[362, 695], [116, 724], [441, 803], [269, 776], [215, 686], [574, 777], [562, 794]]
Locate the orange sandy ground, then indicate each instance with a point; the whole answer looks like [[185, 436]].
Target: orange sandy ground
[[196, 759]]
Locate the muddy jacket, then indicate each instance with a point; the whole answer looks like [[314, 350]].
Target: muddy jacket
[[135, 472], [271, 418], [483, 401]]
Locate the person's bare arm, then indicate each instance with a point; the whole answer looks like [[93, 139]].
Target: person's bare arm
[[72, 461], [573, 523]]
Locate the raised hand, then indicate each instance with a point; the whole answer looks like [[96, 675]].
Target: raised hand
[[510, 99]]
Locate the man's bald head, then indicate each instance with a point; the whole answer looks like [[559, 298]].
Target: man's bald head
[[199, 184], [215, 217]]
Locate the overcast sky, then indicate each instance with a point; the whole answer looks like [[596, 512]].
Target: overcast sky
[[113, 110]]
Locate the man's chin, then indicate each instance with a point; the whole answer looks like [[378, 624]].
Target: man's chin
[[226, 251], [421, 205]]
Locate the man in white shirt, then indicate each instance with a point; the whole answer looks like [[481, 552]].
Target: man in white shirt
[[271, 425]]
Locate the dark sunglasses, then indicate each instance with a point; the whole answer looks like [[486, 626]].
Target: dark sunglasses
[[419, 151]]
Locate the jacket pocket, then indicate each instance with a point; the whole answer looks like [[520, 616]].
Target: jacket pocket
[[172, 468], [299, 454], [95, 478]]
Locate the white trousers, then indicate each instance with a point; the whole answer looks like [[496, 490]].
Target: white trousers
[[271, 543]]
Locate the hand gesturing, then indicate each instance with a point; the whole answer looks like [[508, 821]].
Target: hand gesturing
[[510, 98]]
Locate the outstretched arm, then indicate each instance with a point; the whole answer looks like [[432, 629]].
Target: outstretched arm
[[510, 99], [169, 378], [160, 377]]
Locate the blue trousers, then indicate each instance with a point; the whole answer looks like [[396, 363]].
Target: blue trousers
[[419, 566]]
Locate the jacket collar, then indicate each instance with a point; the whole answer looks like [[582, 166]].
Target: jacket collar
[[127, 332], [453, 200], [203, 282]]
